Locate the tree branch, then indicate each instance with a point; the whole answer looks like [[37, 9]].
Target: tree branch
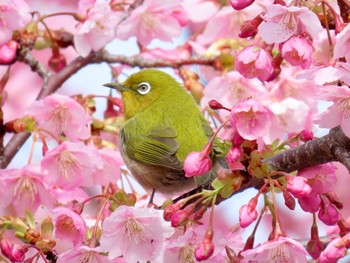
[[139, 61]]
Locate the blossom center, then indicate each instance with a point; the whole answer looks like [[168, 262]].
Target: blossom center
[[67, 164], [60, 117], [25, 186], [187, 254], [134, 230]]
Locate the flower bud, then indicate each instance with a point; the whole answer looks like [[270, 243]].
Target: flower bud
[[57, 62], [289, 200], [170, 210], [250, 28], [240, 4], [203, 251], [215, 105], [298, 186], [8, 52], [247, 216], [197, 164], [306, 135], [328, 214]]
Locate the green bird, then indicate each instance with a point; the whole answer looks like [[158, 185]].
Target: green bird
[[162, 126]]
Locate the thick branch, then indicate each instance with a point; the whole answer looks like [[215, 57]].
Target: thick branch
[[334, 146]]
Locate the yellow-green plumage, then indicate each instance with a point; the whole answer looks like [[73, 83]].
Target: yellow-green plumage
[[162, 127]]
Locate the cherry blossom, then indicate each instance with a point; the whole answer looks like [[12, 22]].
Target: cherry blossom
[[341, 47], [97, 29], [283, 249], [154, 19], [298, 52], [61, 115], [15, 14], [298, 186], [254, 62], [71, 165], [86, 254], [284, 22], [338, 113], [24, 189], [241, 4], [69, 226], [251, 119], [136, 233]]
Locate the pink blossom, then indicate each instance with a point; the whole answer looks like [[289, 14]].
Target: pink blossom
[[342, 44], [254, 62], [109, 170], [97, 30], [298, 186], [282, 250], [136, 233], [61, 115], [329, 214], [283, 22], [154, 19], [197, 164], [8, 51], [288, 117], [251, 119], [338, 113], [241, 4], [85, 254], [247, 215], [69, 226], [71, 165], [15, 14], [298, 52], [229, 20], [335, 250], [204, 250], [231, 89], [321, 178], [24, 189], [310, 203]]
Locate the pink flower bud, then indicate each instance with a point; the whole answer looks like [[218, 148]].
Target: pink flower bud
[[240, 4], [254, 62], [170, 210], [329, 214], [335, 250], [8, 52], [179, 218], [57, 62], [289, 200], [215, 105], [234, 154], [247, 216], [13, 252], [204, 250], [310, 203], [298, 186], [197, 163], [250, 28], [306, 135]]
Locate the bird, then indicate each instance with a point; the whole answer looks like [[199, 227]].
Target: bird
[[163, 124]]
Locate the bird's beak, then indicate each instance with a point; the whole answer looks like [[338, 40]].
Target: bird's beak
[[117, 86]]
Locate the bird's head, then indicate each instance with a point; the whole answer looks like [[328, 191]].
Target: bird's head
[[140, 90]]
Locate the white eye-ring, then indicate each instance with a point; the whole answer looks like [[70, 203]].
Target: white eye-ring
[[144, 88]]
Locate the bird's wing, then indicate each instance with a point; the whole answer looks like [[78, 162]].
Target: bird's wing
[[158, 147]]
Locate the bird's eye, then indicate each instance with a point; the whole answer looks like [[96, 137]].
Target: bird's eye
[[144, 88]]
